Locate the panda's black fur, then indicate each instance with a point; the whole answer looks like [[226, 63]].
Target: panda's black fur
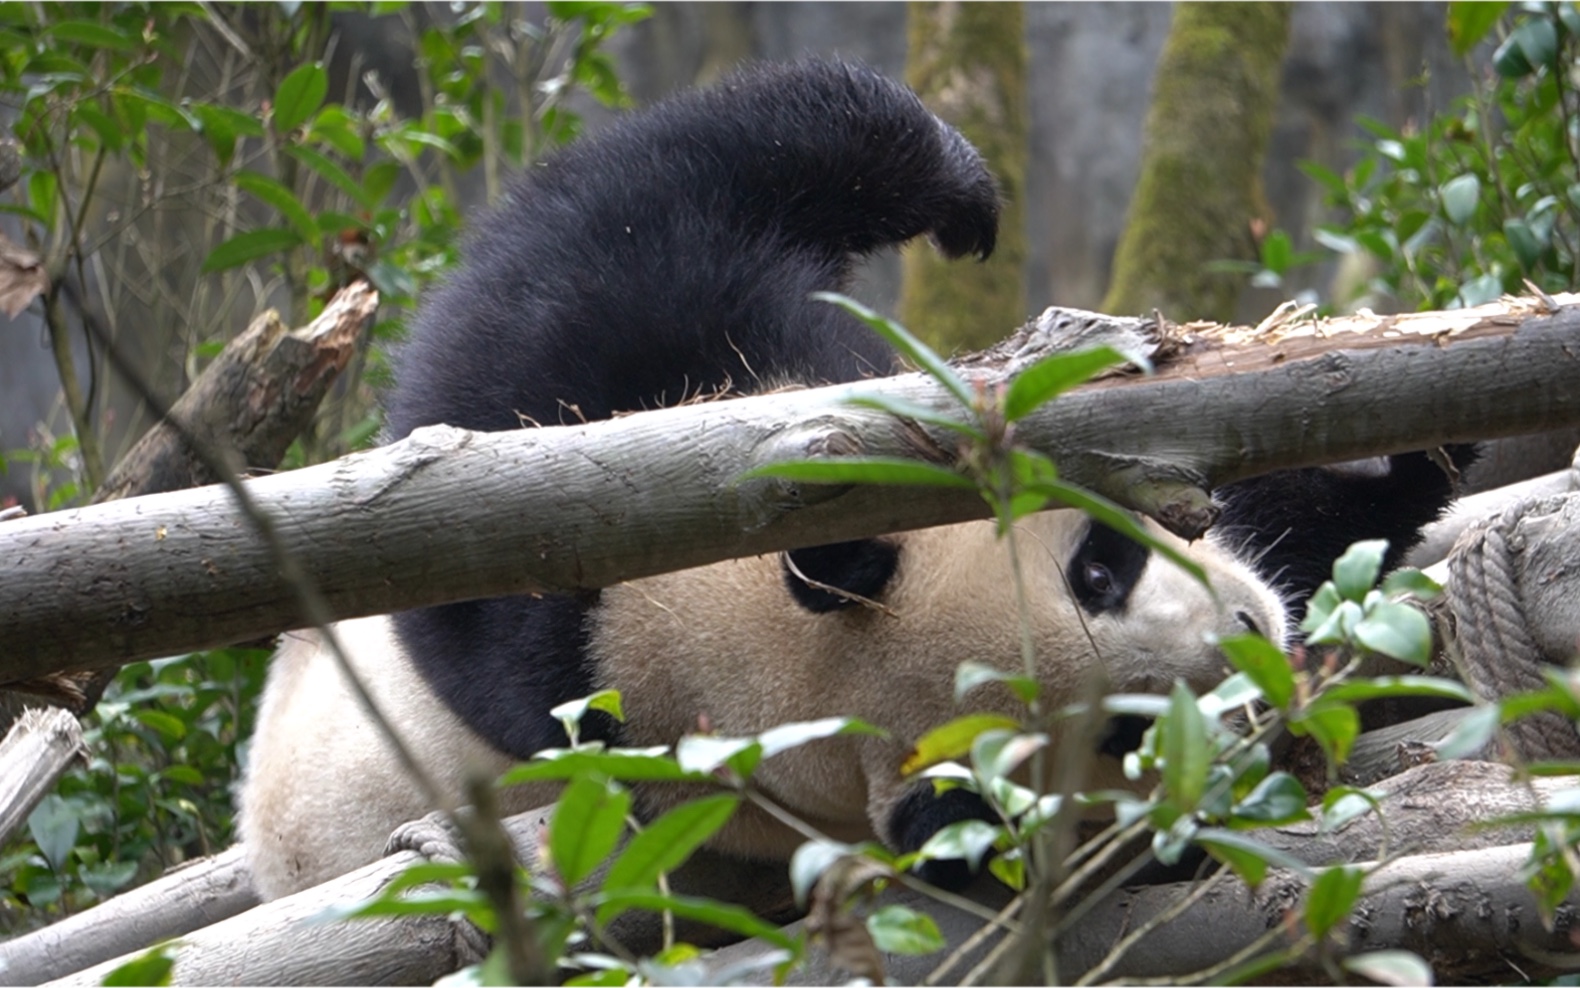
[[673, 255], [668, 256]]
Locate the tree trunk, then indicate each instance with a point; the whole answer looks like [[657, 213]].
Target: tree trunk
[[968, 63], [1200, 189]]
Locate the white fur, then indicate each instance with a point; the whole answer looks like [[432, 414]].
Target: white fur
[[323, 790], [727, 646]]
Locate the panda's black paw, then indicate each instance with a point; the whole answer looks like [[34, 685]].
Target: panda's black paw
[[949, 874], [921, 814]]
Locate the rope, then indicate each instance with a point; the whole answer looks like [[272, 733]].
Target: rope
[[436, 840], [1498, 655]]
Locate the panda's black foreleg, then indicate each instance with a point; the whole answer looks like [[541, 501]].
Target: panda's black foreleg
[[1292, 524], [921, 814]]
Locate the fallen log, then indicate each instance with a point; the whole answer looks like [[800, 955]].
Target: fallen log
[[187, 898], [36, 751], [449, 515]]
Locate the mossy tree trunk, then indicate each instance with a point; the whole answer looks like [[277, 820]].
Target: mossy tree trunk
[[1200, 189], [968, 62]]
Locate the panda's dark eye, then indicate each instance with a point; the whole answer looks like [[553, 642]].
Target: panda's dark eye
[[1105, 568], [1098, 579]]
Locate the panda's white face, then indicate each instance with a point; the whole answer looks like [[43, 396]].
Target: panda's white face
[[727, 646]]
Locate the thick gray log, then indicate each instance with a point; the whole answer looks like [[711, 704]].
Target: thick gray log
[[36, 752], [187, 898], [449, 515]]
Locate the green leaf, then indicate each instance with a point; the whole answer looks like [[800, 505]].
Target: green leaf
[[221, 126], [1277, 252], [1397, 630], [1278, 800], [89, 113], [810, 861], [379, 180], [53, 827], [996, 754], [1469, 22], [1538, 40], [300, 95], [1333, 726], [1480, 290], [912, 348], [250, 246], [969, 675], [1355, 572], [863, 470], [1523, 240], [1266, 666], [1332, 896], [1410, 581], [707, 753], [333, 174], [1396, 967], [1359, 690], [269, 191], [90, 34], [1010, 869], [898, 929], [793, 735], [1460, 196], [667, 842], [152, 967], [953, 740], [1472, 734], [571, 712], [967, 840], [338, 128], [1334, 628], [587, 823], [171, 728], [1052, 376], [1187, 756], [628, 765], [1341, 804], [1247, 858]]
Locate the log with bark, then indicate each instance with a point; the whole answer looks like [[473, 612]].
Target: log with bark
[[449, 515]]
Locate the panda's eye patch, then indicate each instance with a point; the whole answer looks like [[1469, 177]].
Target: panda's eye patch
[[1105, 568]]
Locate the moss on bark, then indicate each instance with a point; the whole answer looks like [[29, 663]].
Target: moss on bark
[[968, 62], [1201, 163]]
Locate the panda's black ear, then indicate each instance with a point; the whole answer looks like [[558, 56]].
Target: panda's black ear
[[830, 577]]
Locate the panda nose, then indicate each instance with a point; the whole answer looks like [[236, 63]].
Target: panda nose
[[1246, 619]]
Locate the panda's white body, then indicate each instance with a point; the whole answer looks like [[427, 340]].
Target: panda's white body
[[726, 643]]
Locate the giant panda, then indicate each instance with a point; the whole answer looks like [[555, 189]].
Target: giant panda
[[673, 254]]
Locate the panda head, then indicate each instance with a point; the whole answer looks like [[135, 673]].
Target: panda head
[[876, 629]]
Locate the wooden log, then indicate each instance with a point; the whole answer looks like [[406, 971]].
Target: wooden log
[[187, 898], [449, 515], [36, 752], [250, 403], [288, 942]]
